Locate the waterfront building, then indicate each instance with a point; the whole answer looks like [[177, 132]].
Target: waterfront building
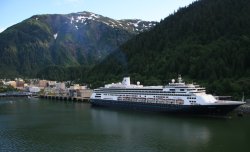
[[12, 83], [20, 84], [43, 83]]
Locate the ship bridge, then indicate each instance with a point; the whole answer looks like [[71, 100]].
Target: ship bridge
[[182, 87]]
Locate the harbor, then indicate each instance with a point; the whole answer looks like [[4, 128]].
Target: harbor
[[125, 76], [52, 90]]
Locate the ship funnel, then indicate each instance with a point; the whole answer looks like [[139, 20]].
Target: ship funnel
[[179, 79], [126, 81]]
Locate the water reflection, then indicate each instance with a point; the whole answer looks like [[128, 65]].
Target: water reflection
[[47, 125], [150, 129]]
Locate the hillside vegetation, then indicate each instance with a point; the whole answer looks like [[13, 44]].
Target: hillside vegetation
[[43, 42], [207, 42]]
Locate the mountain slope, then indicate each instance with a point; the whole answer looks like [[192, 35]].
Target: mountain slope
[[75, 39], [207, 41]]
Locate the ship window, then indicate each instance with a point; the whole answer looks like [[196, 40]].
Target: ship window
[[181, 89]]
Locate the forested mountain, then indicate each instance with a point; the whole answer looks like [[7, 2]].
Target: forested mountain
[[45, 42], [207, 41]]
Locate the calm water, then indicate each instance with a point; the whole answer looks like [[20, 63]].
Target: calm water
[[43, 125]]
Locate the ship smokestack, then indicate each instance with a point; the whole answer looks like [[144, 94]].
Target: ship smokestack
[[126, 81]]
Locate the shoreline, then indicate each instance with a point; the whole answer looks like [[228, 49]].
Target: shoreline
[[243, 109]]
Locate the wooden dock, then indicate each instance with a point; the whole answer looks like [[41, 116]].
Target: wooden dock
[[65, 98]]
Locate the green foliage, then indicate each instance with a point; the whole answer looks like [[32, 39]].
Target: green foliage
[[62, 73], [208, 42], [4, 88], [28, 47]]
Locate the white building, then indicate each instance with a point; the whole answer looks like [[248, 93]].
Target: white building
[[34, 89]]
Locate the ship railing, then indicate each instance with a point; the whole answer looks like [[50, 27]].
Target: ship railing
[[152, 100]]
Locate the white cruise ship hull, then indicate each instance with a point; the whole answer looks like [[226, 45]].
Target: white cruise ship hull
[[176, 97], [212, 109]]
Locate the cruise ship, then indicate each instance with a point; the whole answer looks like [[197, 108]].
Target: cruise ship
[[176, 97]]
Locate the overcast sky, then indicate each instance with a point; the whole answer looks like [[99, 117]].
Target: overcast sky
[[14, 11]]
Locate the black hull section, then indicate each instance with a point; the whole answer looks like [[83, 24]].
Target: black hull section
[[167, 108]]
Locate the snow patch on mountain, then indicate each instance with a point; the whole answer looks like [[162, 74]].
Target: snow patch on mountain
[[83, 18]]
